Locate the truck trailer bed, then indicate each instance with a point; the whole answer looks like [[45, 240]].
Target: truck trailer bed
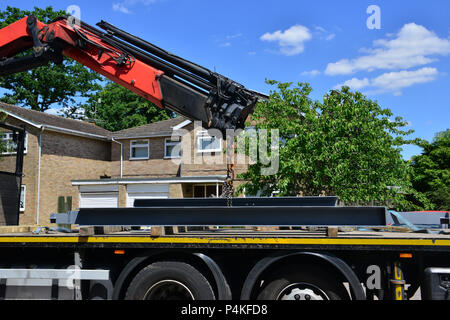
[[239, 238]]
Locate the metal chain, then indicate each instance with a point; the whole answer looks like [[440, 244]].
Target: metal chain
[[228, 189]]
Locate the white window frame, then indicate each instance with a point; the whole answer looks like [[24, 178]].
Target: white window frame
[[147, 145], [170, 142], [205, 185], [24, 192], [10, 138], [203, 134]]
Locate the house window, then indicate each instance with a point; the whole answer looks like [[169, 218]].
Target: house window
[[207, 143], [10, 145], [22, 198], [172, 148], [139, 149], [207, 190]]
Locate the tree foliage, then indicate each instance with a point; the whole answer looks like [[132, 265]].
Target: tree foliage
[[432, 170], [42, 87], [116, 108], [346, 145]]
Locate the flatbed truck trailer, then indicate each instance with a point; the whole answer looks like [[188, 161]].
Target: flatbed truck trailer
[[314, 262], [224, 261]]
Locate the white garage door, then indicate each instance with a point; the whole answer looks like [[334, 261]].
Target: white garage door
[[146, 191], [99, 200], [99, 197]]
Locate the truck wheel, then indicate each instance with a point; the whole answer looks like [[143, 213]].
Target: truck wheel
[[169, 280], [304, 284]]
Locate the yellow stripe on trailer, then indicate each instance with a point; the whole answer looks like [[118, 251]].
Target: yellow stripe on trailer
[[229, 240]]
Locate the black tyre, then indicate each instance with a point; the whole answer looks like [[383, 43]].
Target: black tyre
[[306, 283], [169, 280]]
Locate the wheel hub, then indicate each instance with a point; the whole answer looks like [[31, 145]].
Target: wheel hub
[[169, 290], [302, 291]]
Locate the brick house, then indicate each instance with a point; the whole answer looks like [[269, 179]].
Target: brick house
[[94, 167]]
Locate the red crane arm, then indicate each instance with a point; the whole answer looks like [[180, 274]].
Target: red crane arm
[[135, 75], [164, 79]]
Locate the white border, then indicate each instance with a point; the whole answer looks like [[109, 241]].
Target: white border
[[24, 197], [140, 146], [170, 143], [25, 144], [208, 150]]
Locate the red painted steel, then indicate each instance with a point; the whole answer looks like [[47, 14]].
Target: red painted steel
[[135, 75]]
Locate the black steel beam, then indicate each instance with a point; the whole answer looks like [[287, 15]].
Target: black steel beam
[[239, 202], [161, 53], [225, 216], [21, 64], [158, 63]]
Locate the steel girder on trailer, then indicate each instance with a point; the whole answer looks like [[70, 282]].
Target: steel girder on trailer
[[238, 202], [244, 212]]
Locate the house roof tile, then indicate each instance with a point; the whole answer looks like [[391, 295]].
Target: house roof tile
[[160, 127], [42, 118]]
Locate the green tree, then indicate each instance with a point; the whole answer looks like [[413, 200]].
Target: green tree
[[42, 87], [432, 170], [346, 145], [116, 108]]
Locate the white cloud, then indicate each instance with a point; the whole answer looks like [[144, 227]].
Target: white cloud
[[228, 40], [311, 73], [392, 81], [354, 83], [291, 41], [323, 34], [53, 111], [330, 37], [398, 80], [413, 46], [120, 7], [320, 29], [234, 36], [78, 114], [124, 5]]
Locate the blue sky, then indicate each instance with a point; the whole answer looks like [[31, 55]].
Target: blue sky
[[404, 65]]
